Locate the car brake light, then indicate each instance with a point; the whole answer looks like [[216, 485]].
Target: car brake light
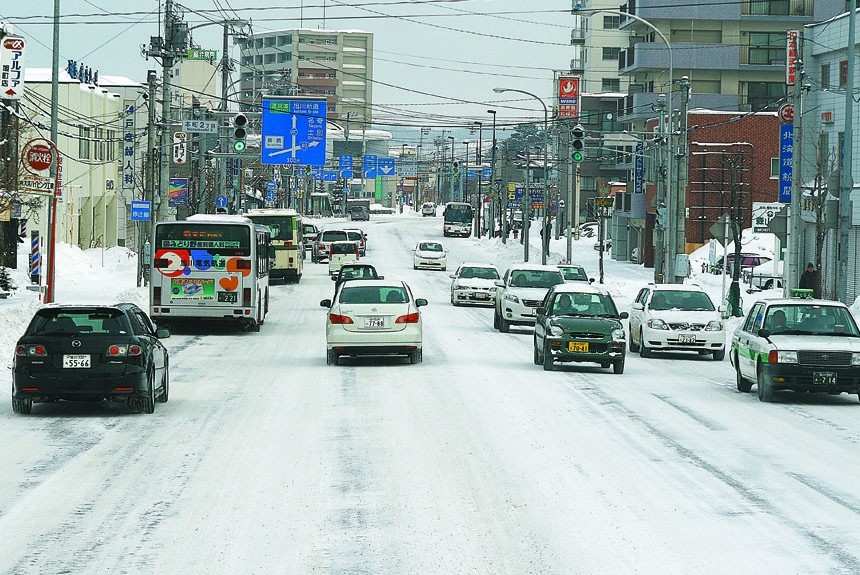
[[156, 294], [20, 351], [135, 350], [408, 318], [337, 319], [773, 356], [117, 351], [37, 350], [246, 297]]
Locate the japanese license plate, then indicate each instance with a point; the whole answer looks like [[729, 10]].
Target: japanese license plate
[[76, 360], [823, 378], [578, 346], [228, 296], [480, 295], [374, 322], [686, 338]]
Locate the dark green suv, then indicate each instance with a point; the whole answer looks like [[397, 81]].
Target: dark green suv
[[579, 323]]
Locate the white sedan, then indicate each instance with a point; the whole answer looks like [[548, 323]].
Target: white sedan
[[474, 284], [373, 317], [430, 255]]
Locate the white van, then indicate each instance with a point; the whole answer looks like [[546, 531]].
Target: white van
[[340, 253]]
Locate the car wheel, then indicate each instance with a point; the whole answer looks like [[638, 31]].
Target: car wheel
[[547, 360], [537, 358], [416, 356], [634, 347], [743, 385], [644, 350], [618, 367], [495, 319], [765, 390], [453, 301], [504, 326], [164, 395], [330, 357], [720, 354], [768, 284], [146, 402], [22, 405]]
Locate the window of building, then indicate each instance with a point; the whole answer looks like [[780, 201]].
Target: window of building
[[258, 59], [611, 53], [611, 22], [258, 43], [825, 76], [282, 57], [269, 59], [759, 95], [843, 73], [823, 149], [697, 36], [247, 60], [705, 86], [84, 143], [610, 84], [766, 48], [269, 42], [774, 168]]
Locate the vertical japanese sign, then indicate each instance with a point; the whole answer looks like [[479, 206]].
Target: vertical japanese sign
[[128, 148], [12, 68], [791, 51], [568, 97], [786, 154], [639, 169]]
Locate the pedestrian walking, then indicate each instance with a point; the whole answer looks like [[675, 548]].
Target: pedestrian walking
[[809, 280]]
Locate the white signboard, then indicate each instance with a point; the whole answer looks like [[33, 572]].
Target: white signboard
[[128, 148], [12, 68], [762, 213], [200, 126], [180, 149]]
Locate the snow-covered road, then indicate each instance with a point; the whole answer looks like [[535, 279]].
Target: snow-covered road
[[267, 461]]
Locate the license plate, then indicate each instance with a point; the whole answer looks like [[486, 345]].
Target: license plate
[[578, 346], [228, 296], [823, 378], [686, 338], [374, 322], [480, 295], [76, 361]]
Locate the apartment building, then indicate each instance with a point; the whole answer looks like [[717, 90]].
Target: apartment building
[[333, 64]]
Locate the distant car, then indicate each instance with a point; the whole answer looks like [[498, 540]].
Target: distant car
[[676, 317], [764, 276], [358, 213], [519, 293], [474, 284], [91, 353], [374, 317], [574, 273], [309, 234], [748, 261], [607, 245], [801, 345], [357, 235], [579, 323], [323, 241], [428, 209], [355, 271], [339, 254], [430, 255]]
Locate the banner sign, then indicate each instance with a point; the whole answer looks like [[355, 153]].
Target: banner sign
[[178, 192], [12, 68], [568, 96], [128, 159], [786, 153]]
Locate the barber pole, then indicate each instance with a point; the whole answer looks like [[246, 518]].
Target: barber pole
[[35, 257]]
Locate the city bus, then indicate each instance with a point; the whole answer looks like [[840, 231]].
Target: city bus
[[457, 219], [287, 239], [210, 267]]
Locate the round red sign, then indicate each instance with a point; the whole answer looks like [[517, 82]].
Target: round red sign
[[786, 113], [37, 155]]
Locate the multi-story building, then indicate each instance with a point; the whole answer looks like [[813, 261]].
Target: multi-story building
[[597, 42], [333, 64], [193, 77]]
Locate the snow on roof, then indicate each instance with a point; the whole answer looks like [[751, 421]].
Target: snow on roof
[[44, 75]]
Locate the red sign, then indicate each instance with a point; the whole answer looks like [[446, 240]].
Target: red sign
[[39, 157], [786, 113], [568, 96], [791, 51]]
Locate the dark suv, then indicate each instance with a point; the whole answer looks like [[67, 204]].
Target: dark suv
[[91, 353], [359, 213], [323, 241]]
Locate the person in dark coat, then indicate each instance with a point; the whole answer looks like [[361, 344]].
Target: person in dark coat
[[809, 280]]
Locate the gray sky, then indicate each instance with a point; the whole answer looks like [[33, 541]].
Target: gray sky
[[428, 53]]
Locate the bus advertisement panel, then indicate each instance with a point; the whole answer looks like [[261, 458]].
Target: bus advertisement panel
[[286, 229], [210, 266], [457, 219]]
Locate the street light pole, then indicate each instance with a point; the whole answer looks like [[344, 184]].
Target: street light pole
[[464, 174], [479, 159], [451, 172], [495, 197], [544, 232]]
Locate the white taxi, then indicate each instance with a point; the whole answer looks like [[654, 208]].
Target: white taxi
[[803, 345]]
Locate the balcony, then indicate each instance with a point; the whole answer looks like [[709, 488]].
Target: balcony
[[638, 106], [651, 56], [655, 11]]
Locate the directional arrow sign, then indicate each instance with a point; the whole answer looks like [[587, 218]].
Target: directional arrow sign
[[385, 166], [370, 166], [293, 132]]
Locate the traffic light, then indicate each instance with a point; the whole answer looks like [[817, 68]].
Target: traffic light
[[456, 168], [578, 143], [239, 132]]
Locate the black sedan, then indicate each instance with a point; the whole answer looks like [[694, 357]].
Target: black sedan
[[91, 353]]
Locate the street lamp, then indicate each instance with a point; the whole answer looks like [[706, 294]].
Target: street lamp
[[526, 198], [451, 172], [671, 202], [493, 183], [464, 171], [479, 159]]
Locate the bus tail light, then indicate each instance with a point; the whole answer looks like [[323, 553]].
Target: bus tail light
[[408, 318], [246, 297], [156, 295], [243, 265], [338, 319]]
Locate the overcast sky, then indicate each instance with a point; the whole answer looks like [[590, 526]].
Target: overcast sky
[[429, 54]]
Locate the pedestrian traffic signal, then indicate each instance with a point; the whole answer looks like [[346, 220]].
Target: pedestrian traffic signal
[[578, 143], [239, 132]]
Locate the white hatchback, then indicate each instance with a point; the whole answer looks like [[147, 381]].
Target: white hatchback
[[373, 317], [430, 255]]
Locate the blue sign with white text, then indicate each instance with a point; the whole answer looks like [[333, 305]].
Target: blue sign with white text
[[385, 166], [370, 166], [786, 155], [140, 211], [293, 132]]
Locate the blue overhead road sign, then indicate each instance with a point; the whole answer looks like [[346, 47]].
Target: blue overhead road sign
[[345, 166], [385, 166], [370, 161], [293, 132]]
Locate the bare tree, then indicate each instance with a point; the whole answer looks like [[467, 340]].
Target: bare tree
[[815, 198]]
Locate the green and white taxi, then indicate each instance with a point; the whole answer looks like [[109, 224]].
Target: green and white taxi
[[802, 345]]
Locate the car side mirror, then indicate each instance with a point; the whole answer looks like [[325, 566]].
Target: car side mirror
[[540, 310], [638, 305], [721, 308], [380, 277], [764, 332], [421, 302], [591, 280], [624, 315], [452, 276], [499, 283], [326, 303], [162, 333]]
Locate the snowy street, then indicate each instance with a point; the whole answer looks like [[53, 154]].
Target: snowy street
[[266, 461]]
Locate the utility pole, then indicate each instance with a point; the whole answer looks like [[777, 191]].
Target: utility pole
[[847, 182], [165, 144], [659, 238], [52, 203], [681, 188], [791, 271], [676, 202]]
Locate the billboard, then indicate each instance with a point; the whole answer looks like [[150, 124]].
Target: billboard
[[568, 96]]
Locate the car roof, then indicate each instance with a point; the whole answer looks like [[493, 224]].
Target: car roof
[[56, 305], [802, 301], [372, 282], [569, 266], [345, 242], [581, 287], [477, 265], [534, 267], [676, 287]]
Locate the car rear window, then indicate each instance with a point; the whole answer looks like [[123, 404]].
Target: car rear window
[[79, 322], [373, 294], [536, 278], [334, 236], [354, 236], [571, 273], [343, 248]]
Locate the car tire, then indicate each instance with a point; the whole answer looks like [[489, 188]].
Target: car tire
[[504, 325], [416, 356], [743, 385], [330, 357], [634, 347], [146, 402], [720, 354], [644, 350], [22, 405], [765, 390], [618, 367], [547, 360], [165, 385], [537, 357]]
